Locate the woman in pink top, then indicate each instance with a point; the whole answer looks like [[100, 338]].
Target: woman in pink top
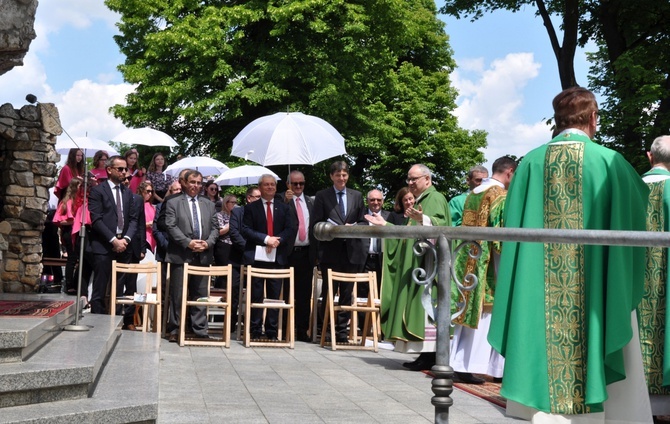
[[147, 192], [64, 217], [74, 168], [138, 174], [100, 165]]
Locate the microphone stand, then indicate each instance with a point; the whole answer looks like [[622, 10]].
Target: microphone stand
[[82, 231]]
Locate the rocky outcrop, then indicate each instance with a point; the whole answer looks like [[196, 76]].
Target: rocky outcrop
[[17, 18]]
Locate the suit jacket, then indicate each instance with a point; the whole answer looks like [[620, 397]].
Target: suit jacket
[[313, 242], [160, 236], [366, 242], [102, 207], [254, 229], [326, 207], [235, 231], [138, 245], [180, 228]]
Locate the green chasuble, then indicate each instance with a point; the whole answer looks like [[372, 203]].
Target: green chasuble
[[456, 208], [562, 313], [402, 314], [483, 209], [652, 315]]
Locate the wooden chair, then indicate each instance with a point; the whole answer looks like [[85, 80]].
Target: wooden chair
[[222, 302], [369, 306], [280, 305], [317, 281], [149, 297]]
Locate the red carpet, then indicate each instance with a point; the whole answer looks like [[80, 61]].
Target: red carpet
[[32, 308], [488, 391]]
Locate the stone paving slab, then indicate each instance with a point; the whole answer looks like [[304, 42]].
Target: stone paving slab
[[308, 384]]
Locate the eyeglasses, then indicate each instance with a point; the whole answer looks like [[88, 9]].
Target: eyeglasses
[[414, 179], [298, 183], [120, 168], [374, 200], [148, 191]]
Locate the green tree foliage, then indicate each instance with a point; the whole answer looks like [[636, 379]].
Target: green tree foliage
[[378, 71], [631, 67]]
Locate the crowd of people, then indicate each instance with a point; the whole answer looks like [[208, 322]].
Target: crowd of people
[[573, 332]]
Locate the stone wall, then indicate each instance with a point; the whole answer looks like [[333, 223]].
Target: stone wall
[[28, 162]]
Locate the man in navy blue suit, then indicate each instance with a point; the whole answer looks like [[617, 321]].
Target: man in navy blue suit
[[114, 223], [268, 229], [340, 205]]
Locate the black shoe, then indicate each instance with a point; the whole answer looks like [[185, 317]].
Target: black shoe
[[255, 335], [302, 336], [173, 338], [497, 380], [201, 337], [467, 378], [421, 365], [341, 339], [271, 337]]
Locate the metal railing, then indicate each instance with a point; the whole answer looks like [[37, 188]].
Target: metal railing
[[442, 384]]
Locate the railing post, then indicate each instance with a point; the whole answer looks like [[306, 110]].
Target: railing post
[[442, 384]]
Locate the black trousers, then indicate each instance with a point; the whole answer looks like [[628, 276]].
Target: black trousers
[[303, 272], [272, 291], [344, 290]]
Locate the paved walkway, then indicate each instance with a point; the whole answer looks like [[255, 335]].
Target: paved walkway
[[308, 384]]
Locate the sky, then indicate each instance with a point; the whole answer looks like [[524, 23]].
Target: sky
[[506, 74]]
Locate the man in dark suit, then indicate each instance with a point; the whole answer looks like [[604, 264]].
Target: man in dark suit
[[302, 251], [237, 250], [192, 231], [114, 223], [340, 205], [268, 230]]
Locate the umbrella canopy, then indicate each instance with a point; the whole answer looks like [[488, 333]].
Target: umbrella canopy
[[243, 175], [206, 166], [88, 144], [288, 138], [145, 137]]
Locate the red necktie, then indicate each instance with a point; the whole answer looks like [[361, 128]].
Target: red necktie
[[302, 231], [271, 231]]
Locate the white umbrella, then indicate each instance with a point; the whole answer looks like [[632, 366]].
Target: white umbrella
[[145, 137], [88, 144], [288, 138], [206, 166], [243, 175]]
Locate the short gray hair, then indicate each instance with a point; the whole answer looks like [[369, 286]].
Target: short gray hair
[[660, 149]]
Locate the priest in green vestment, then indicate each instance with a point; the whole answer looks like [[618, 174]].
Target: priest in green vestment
[[652, 312], [403, 317], [563, 316], [470, 351], [475, 176]]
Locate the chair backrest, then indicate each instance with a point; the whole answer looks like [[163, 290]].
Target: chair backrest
[[368, 278], [209, 271], [287, 273], [152, 270]]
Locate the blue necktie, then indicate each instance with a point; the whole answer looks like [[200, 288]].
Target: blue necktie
[[196, 221], [340, 199]]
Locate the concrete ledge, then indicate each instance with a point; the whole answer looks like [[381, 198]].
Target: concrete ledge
[[22, 337]]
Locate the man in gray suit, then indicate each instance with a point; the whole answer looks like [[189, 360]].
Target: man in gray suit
[[192, 231]]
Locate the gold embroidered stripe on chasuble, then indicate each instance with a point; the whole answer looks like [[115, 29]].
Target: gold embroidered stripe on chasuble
[[564, 280]]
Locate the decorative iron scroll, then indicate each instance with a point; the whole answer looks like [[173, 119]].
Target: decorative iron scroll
[[426, 275], [475, 252]]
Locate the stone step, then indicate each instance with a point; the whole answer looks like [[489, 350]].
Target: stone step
[[48, 375], [127, 390]]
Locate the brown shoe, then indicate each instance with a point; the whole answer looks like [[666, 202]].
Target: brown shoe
[[173, 338], [130, 327]]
